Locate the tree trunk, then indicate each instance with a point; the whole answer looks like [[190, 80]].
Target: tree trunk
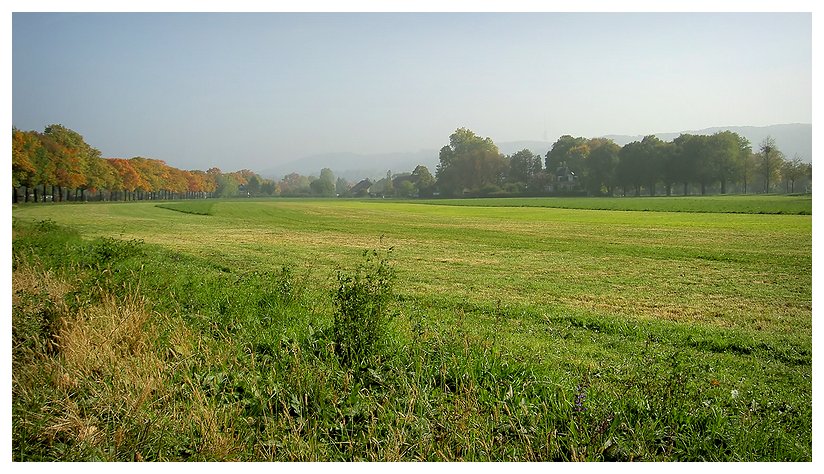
[[703, 189], [14, 194], [25, 193], [686, 191], [723, 186], [669, 189]]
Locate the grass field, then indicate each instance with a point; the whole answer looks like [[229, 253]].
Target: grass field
[[525, 329], [746, 204]]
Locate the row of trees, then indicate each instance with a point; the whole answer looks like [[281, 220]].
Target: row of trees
[[598, 166], [58, 164]]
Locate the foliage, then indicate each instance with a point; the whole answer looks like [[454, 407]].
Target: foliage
[[52, 163], [769, 162], [424, 181], [325, 185], [362, 302], [469, 163], [60, 158]]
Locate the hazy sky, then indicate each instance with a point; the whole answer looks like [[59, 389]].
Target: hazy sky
[[238, 90]]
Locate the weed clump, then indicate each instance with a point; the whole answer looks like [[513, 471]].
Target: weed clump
[[361, 308]]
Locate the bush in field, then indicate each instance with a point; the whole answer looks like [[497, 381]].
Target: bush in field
[[361, 303]]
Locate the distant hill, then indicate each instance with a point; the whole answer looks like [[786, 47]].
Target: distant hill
[[791, 139], [356, 166]]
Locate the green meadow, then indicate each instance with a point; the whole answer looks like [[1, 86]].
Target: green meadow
[[526, 329]]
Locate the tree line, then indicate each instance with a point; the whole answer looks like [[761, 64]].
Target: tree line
[[58, 165], [719, 163]]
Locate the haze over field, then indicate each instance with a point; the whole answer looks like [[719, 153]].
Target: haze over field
[[794, 140], [262, 90]]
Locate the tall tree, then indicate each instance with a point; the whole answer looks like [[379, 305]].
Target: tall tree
[[227, 186], [322, 187], [567, 151], [725, 157], [101, 175], [469, 162], [253, 186], [602, 162], [686, 160], [24, 146], [389, 187], [423, 180], [130, 180], [769, 162], [629, 172], [523, 165], [792, 171], [654, 159], [325, 185], [294, 183]]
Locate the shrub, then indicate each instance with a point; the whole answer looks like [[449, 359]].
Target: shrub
[[361, 303]]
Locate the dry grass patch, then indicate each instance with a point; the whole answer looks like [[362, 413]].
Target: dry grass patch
[[98, 380]]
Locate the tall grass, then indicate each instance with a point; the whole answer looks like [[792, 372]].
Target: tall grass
[[126, 351]]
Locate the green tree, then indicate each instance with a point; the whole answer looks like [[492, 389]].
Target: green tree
[[227, 186], [322, 187], [294, 183], [523, 165], [602, 162], [792, 171], [724, 160], [406, 188], [469, 163], [769, 162], [424, 181], [70, 154], [567, 151], [745, 166], [653, 161], [685, 160], [100, 175], [629, 171], [253, 185], [325, 185], [389, 188]]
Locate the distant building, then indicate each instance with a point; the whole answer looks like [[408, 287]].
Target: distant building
[[565, 179], [361, 189]]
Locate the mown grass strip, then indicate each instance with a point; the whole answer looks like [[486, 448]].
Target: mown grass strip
[[739, 204], [203, 208]]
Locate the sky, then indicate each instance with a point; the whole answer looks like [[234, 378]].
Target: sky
[[256, 90]]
